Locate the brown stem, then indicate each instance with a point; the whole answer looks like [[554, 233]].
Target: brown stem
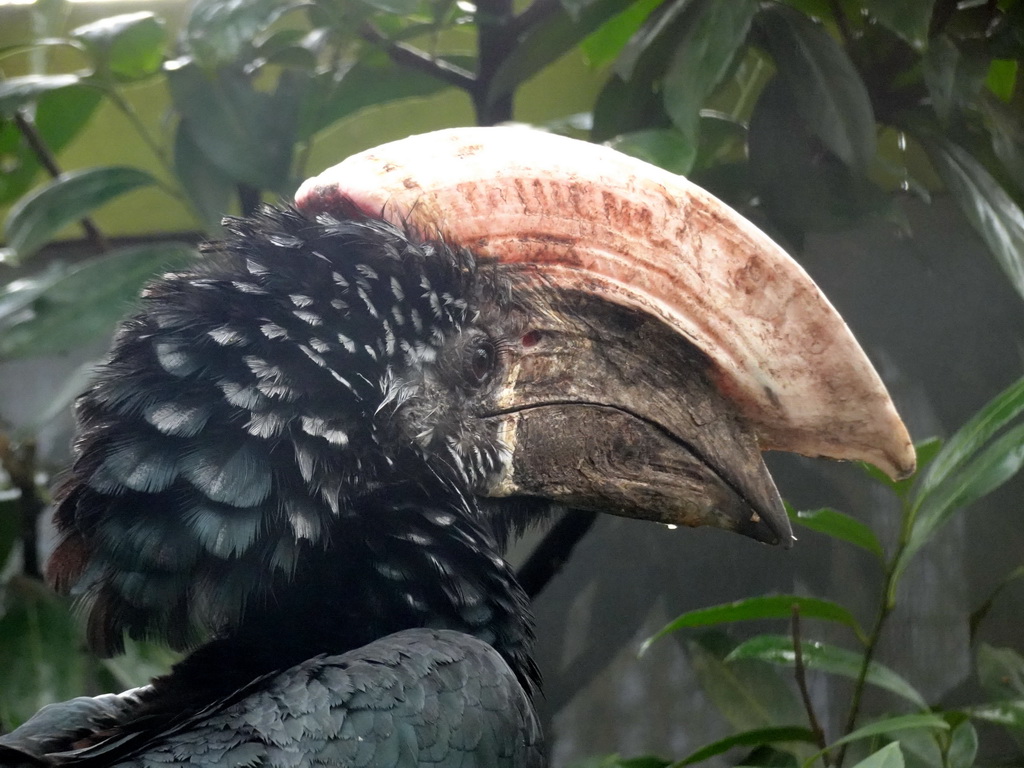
[[554, 550], [413, 58], [801, 684], [869, 652], [496, 38], [28, 129], [19, 461]]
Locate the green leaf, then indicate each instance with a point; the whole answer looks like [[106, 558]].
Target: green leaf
[[292, 48], [17, 296], [753, 738], [657, 25], [40, 651], [963, 746], [364, 85], [74, 384], [1007, 135], [20, 164], [623, 107], [1008, 713], [40, 42], [991, 211], [1002, 78], [968, 440], [1001, 672], [989, 469], [401, 7], [802, 187], [129, 46], [748, 694], [778, 649], [953, 79], [664, 147], [765, 607], [217, 32], [703, 56], [839, 526], [543, 43], [723, 139], [602, 46], [769, 757], [16, 92], [39, 216], [59, 116], [729, 182], [921, 747], [888, 756], [892, 724], [86, 302], [909, 19], [140, 663], [614, 761], [208, 188], [829, 93], [978, 615], [62, 114], [249, 134]]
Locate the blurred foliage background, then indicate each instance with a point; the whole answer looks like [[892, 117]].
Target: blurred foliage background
[[127, 131]]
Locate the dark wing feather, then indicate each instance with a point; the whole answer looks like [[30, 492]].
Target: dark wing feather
[[56, 727], [413, 698]]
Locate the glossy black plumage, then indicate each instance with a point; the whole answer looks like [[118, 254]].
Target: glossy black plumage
[[277, 459], [418, 697]]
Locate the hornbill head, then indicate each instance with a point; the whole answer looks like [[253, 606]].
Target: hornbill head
[[660, 341], [447, 322]]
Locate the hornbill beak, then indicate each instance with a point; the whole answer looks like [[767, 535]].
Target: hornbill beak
[[669, 340]]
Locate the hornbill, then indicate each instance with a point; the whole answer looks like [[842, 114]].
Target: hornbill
[[308, 451]]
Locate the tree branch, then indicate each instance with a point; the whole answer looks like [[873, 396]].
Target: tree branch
[[496, 38], [538, 12], [413, 58], [35, 141], [554, 550]]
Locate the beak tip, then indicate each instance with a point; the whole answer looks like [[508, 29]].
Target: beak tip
[[776, 530]]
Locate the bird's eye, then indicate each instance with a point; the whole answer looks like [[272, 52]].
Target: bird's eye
[[481, 362]]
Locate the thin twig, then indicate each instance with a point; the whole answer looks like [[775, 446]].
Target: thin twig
[[37, 144], [550, 556], [801, 684], [885, 607], [409, 56], [862, 676]]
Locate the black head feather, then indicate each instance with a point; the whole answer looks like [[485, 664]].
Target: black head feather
[[273, 414]]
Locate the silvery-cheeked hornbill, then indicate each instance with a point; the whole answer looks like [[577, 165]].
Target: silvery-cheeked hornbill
[[309, 450]]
